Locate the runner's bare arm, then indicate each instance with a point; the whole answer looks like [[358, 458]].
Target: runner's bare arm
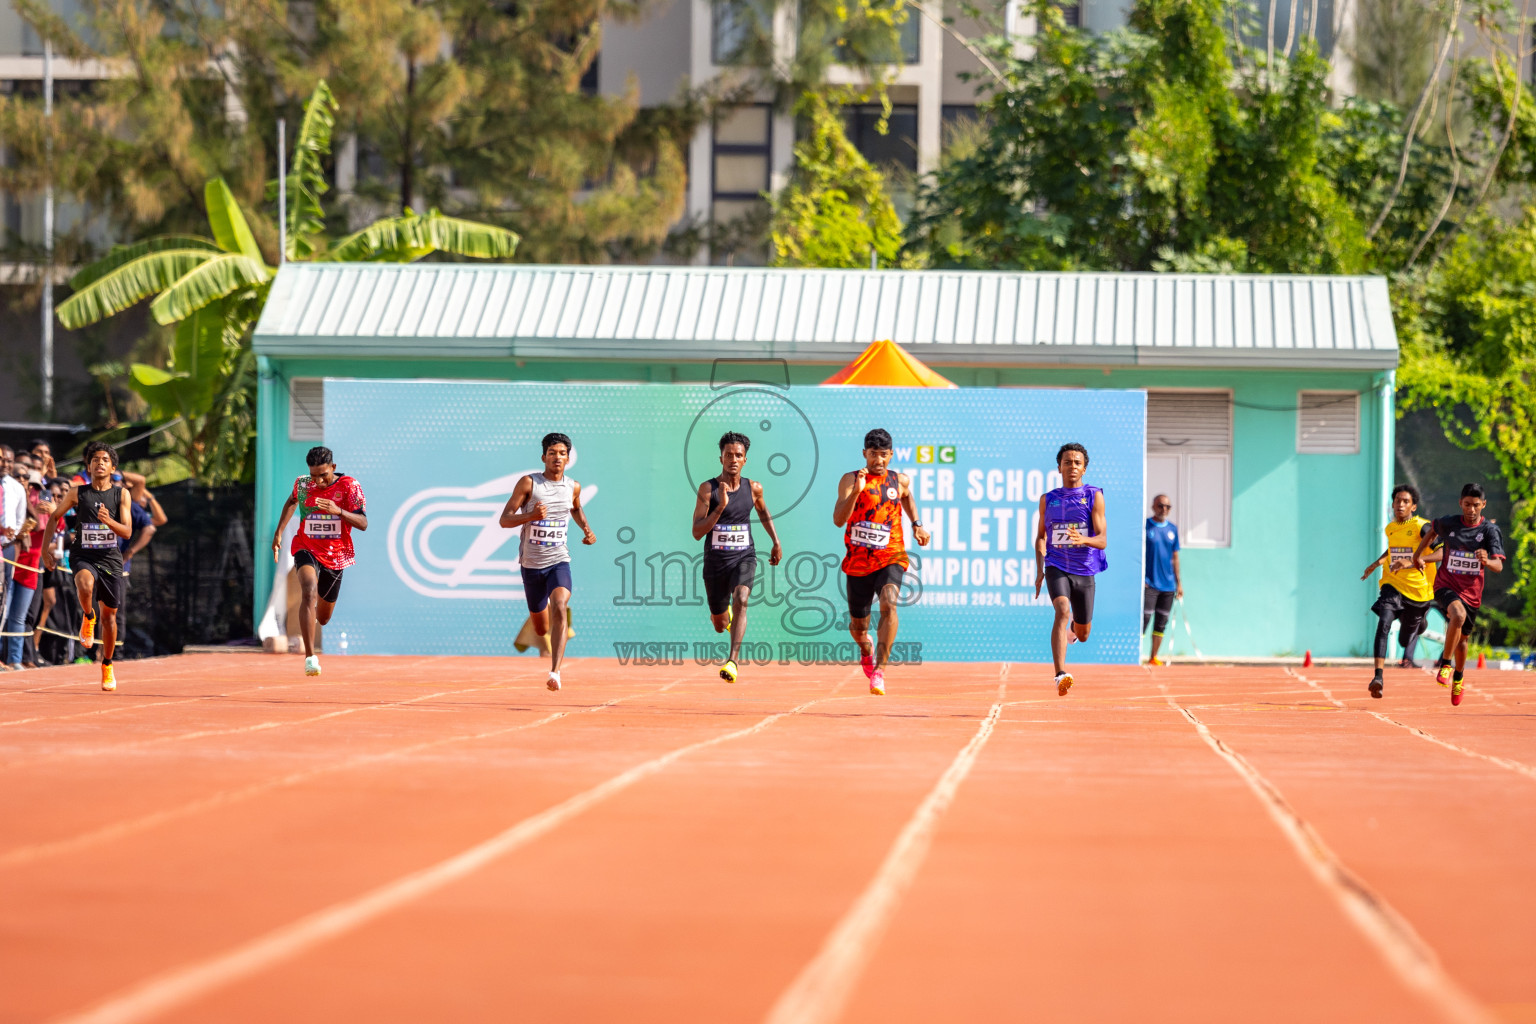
[[1040, 547], [510, 516], [1374, 565], [123, 525], [1493, 563], [848, 489], [767, 521], [703, 521], [580, 515], [137, 485], [282, 522], [50, 557], [909, 502], [1424, 541]]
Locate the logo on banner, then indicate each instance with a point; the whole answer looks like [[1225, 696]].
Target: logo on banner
[[448, 542]]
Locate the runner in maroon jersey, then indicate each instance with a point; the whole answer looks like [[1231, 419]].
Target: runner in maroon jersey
[[330, 508], [1472, 544]]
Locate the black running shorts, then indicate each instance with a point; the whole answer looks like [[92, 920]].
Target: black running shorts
[[863, 591], [1443, 600], [1391, 604], [1077, 589], [109, 579], [720, 587], [329, 579]]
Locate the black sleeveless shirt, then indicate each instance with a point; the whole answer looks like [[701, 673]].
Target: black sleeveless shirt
[[94, 540], [730, 541]]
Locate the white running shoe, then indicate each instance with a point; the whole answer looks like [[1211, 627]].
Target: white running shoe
[[312, 665], [554, 681]]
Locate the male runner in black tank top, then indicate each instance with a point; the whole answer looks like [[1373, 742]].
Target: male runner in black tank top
[[721, 518], [102, 518]]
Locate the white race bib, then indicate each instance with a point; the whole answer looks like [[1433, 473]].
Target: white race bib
[[731, 537], [1061, 536], [97, 535], [1463, 562], [546, 533], [1400, 559], [322, 525], [870, 535]]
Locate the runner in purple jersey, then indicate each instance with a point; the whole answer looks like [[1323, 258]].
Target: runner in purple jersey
[[1069, 553]]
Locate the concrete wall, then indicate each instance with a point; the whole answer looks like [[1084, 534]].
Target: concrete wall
[[1303, 526]]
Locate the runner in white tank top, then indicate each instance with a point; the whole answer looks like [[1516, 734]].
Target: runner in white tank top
[[543, 504]]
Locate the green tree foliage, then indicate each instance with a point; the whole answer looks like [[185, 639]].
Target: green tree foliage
[[835, 210], [495, 127], [211, 290], [1468, 332], [1147, 148]]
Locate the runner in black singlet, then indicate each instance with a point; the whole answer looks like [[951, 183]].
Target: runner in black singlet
[[102, 518], [722, 519]]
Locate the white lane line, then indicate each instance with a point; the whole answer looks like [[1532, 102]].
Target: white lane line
[[182, 985], [823, 988], [1405, 952], [1502, 762], [132, 826], [1002, 679]]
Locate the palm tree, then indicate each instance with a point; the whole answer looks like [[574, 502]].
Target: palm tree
[[213, 290]]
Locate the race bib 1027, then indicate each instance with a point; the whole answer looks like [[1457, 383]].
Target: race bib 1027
[[870, 535]]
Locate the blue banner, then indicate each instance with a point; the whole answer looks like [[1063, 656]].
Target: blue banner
[[437, 461]]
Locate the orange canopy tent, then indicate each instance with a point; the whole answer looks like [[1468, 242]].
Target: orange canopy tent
[[885, 365]]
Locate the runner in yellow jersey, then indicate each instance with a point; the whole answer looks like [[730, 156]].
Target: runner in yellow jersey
[[1406, 592]]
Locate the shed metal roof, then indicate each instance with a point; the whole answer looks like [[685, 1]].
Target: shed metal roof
[[455, 310]]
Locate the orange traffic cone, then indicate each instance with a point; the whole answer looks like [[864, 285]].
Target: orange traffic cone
[[1307, 661], [1482, 660]]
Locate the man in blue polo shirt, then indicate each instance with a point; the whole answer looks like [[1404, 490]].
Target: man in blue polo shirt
[[1162, 583]]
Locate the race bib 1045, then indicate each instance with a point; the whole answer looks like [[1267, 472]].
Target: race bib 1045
[[1463, 562], [97, 535], [546, 533], [870, 535], [1061, 533], [731, 537]]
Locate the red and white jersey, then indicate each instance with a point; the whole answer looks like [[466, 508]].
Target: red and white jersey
[[326, 535]]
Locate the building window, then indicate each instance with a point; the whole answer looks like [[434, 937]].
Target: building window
[[1072, 14], [732, 26], [743, 144], [909, 45], [588, 83], [897, 147], [1189, 458], [306, 409], [1328, 423]]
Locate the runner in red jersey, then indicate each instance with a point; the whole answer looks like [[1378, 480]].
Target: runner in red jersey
[[869, 506], [1471, 544], [330, 508]]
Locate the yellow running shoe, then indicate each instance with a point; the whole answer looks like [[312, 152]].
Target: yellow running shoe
[[108, 680], [1443, 676], [728, 671], [1063, 684], [1156, 661], [88, 630]]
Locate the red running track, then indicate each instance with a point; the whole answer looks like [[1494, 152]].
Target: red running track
[[442, 839]]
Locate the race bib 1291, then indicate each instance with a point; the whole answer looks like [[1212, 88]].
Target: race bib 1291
[[322, 526]]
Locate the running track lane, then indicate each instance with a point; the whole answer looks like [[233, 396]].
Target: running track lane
[[1099, 862]]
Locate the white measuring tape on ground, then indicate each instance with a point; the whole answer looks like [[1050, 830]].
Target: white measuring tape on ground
[[1184, 615]]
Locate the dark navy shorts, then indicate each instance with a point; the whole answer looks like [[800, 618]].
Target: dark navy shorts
[[538, 584]]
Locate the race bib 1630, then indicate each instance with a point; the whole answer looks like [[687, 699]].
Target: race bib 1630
[[97, 535]]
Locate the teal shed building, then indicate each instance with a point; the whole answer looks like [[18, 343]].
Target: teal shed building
[[1269, 398]]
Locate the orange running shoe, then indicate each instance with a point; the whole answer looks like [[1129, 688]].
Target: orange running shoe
[[108, 680], [88, 630]]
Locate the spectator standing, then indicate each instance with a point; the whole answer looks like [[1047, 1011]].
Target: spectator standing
[[13, 516], [52, 585], [23, 586], [1163, 583]]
